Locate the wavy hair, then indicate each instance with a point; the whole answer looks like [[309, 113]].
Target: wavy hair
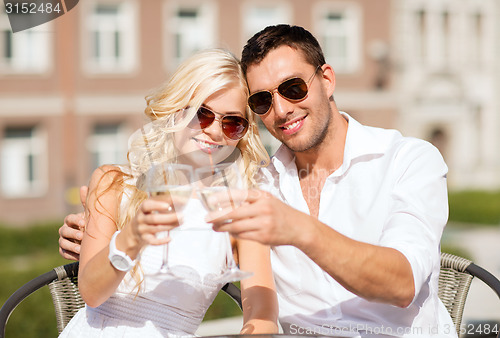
[[196, 79]]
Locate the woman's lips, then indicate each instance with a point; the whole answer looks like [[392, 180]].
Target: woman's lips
[[207, 147]]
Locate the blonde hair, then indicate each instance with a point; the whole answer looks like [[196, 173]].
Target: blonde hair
[[195, 80]]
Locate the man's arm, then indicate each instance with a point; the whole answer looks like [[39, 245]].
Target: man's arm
[[71, 232], [372, 272], [376, 273], [394, 270]]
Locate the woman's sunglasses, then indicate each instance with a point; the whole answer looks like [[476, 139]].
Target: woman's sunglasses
[[233, 126], [294, 89]]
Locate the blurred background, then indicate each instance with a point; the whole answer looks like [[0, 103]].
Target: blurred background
[[72, 91]]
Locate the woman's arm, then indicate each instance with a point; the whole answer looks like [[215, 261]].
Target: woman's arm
[[258, 293], [98, 279]]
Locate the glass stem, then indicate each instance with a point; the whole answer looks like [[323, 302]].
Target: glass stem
[[231, 264], [164, 263]]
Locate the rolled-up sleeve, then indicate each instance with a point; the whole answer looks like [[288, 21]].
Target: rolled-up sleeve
[[419, 208]]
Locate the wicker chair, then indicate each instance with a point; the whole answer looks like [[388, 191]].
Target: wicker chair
[[454, 282], [63, 285]]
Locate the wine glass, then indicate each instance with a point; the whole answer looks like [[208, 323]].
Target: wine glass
[[219, 180], [171, 183]]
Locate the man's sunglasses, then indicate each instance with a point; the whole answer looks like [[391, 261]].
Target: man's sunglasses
[[233, 126], [294, 89]]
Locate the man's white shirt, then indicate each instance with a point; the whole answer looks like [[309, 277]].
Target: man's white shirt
[[390, 191]]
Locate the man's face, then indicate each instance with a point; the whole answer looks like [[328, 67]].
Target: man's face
[[300, 125]]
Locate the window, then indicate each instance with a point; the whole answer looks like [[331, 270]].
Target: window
[[111, 37], [446, 22], [28, 51], [258, 16], [339, 33], [107, 145], [477, 39], [192, 27], [22, 162], [421, 38]]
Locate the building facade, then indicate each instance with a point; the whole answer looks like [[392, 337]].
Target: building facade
[[448, 76], [72, 90]]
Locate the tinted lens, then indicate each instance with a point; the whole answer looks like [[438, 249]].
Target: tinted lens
[[234, 127], [260, 102], [203, 119], [293, 89]]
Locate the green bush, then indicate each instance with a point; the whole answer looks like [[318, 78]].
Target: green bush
[[480, 207], [24, 254]]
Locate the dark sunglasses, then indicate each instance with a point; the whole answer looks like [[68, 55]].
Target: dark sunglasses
[[294, 89], [233, 126]]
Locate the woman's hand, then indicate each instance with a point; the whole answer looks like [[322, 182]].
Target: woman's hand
[[153, 216]]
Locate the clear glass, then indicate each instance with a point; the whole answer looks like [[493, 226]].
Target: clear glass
[[172, 183], [220, 180]]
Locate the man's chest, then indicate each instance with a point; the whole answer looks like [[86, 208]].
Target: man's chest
[[311, 189]]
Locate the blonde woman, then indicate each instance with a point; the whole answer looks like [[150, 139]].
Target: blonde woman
[[199, 112]]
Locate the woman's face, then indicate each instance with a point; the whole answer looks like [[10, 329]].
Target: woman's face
[[209, 146]]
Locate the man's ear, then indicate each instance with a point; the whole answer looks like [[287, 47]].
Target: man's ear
[[328, 77]]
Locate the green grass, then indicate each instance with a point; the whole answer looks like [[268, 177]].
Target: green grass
[[477, 207]]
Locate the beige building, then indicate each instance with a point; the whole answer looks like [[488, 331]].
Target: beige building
[[448, 83], [72, 90]]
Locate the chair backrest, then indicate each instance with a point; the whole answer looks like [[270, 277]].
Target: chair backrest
[[65, 294], [454, 282], [55, 278], [63, 285]]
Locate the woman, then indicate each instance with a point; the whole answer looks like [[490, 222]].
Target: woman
[[200, 111]]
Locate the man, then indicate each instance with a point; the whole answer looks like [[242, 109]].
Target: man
[[354, 214]]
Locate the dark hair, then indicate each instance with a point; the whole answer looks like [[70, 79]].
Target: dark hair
[[272, 37]]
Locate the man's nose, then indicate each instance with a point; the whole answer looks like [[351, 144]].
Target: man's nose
[[281, 106]]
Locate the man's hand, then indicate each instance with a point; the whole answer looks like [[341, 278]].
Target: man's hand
[[70, 236], [262, 218], [71, 232]]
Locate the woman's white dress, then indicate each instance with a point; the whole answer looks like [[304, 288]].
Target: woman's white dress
[[163, 307]]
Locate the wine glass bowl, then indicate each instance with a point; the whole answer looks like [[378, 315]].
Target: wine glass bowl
[[176, 196], [215, 187], [171, 183]]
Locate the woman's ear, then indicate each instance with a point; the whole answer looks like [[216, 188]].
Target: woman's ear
[[328, 77]]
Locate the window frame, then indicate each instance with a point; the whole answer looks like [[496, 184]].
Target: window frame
[[37, 149], [126, 25], [206, 23], [284, 14], [353, 60], [34, 41], [95, 141]]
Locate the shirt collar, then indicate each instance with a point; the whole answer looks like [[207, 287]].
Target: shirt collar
[[360, 141]]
